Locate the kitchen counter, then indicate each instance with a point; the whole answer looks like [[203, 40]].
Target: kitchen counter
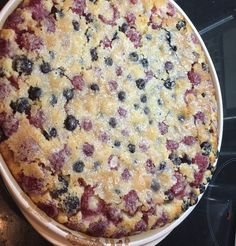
[[14, 229]]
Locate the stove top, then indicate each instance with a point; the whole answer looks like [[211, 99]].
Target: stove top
[[212, 223]]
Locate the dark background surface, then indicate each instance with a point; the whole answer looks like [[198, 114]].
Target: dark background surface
[[213, 221]]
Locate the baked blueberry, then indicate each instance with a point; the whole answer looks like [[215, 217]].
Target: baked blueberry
[[71, 123], [34, 93], [68, 94], [143, 98], [53, 100], [108, 61], [155, 186], [181, 118], [76, 25], [71, 204], [45, 67], [175, 159], [117, 143], [162, 165], [112, 122], [94, 87], [146, 110], [140, 83], [148, 36], [78, 166], [169, 84], [181, 24], [131, 148], [56, 12], [160, 102], [53, 132], [21, 105], [186, 159], [206, 148], [62, 187], [144, 62], [169, 66], [133, 56], [124, 27], [122, 96], [96, 165], [94, 54], [22, 65], [169, 196], [88, 17]]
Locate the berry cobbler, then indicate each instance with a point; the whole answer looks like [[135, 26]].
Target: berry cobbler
[[108, 112]]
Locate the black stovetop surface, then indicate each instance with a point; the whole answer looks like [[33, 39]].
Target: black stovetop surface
[[212, 223]]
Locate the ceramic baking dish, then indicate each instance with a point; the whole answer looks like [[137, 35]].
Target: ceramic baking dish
[[60, 235]]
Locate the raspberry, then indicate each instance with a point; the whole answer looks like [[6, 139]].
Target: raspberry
[[131, 201]]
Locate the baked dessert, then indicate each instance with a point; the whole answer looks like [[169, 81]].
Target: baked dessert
[[108, 114]]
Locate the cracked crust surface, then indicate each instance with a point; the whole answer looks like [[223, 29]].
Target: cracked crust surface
[[108, 114]]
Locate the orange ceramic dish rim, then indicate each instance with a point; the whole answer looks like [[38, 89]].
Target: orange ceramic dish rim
[[60, 235]]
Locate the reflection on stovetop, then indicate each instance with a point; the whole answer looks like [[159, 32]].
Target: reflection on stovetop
[[212, 223]]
